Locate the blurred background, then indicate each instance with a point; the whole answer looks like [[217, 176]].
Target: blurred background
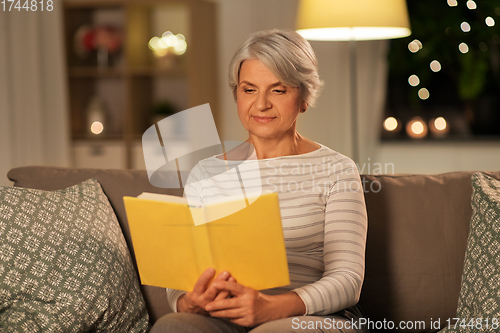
[[80, 83]]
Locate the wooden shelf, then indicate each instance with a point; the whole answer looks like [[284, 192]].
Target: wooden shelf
[[93, 3], [157, 72], [95, 72], [97, 138], [136, 80]]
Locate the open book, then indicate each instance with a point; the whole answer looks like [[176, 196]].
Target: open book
[[172, 252]]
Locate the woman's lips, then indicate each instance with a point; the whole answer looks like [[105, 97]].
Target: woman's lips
[[263, 120]]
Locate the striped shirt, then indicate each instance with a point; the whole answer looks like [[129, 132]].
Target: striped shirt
[[323, 216]]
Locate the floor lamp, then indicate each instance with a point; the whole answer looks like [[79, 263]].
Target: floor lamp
[[353, 20]]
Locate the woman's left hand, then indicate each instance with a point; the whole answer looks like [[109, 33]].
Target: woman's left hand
[[247, 307]]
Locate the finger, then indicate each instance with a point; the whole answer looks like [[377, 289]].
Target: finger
[[222, 305], [227, 313], [233, 287], [233, 313], [224, 293], [221, 295], [224, 276], [211, 293], [201, 285]]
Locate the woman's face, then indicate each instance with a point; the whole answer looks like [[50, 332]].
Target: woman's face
[[267, 108]]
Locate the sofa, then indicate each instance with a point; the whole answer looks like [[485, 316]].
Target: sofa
[[416, 245]]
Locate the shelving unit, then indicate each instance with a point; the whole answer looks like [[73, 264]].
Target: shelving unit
[[134, 81]]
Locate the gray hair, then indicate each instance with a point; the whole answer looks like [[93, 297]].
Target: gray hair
[[287, 54]]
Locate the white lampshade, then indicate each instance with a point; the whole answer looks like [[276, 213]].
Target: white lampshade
[[352, 19]]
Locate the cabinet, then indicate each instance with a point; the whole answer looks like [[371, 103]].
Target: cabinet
[[125, 86]]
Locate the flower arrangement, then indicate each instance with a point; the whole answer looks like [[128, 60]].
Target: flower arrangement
[[105, 39]]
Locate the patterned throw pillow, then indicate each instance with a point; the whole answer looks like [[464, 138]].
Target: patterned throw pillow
[[479, 303], [64, 264]]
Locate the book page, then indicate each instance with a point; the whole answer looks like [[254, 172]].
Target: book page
[[162, 197]]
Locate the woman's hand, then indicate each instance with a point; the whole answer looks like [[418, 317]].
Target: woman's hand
[[203, 293], [249, 307]]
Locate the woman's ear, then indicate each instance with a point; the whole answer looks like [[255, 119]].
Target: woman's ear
[[303, 107]]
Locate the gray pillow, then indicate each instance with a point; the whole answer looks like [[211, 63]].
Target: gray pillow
[[64, 264], [478, 307]]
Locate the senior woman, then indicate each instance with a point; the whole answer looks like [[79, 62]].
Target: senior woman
[[274, 78]]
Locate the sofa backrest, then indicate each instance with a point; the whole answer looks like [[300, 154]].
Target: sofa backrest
[[417, 234], [418, 227]]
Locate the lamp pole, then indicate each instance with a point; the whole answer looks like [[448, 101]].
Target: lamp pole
[[354, 97]]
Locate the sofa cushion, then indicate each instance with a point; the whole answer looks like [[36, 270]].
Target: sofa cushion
[[64, 264], [479, 302], [417, 235], [115, 184]]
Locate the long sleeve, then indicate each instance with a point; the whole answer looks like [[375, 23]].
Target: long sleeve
[[172, 297], [345, 231]]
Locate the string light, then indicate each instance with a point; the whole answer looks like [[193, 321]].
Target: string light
[[452, 3], [438, 126], [471, 5], [490, 22], [416, 128], [435, 66], [465, 27], [413, 80], [440, 123], [414, 46], [97, 127], [390, 124], [463, 48], [168, 42], [423, 94]]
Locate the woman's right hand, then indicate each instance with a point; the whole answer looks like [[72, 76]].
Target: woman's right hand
[[202, 294]]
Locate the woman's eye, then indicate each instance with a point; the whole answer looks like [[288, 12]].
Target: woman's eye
[[278, 91], [249, 90]]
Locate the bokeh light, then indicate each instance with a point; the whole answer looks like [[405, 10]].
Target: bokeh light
[[423, 94], [438, 127], [452, 3], [414, 46], [416, 128], [390, 124], [465, 27], [168, 42], [440, 123], [471, 5], [490, 22], [413, 80], [464, 48], [97, 127], [435, 66]]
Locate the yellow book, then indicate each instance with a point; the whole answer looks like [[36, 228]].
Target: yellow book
[[172, 252]]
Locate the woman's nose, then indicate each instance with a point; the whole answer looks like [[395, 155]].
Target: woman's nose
[[263, 103]]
